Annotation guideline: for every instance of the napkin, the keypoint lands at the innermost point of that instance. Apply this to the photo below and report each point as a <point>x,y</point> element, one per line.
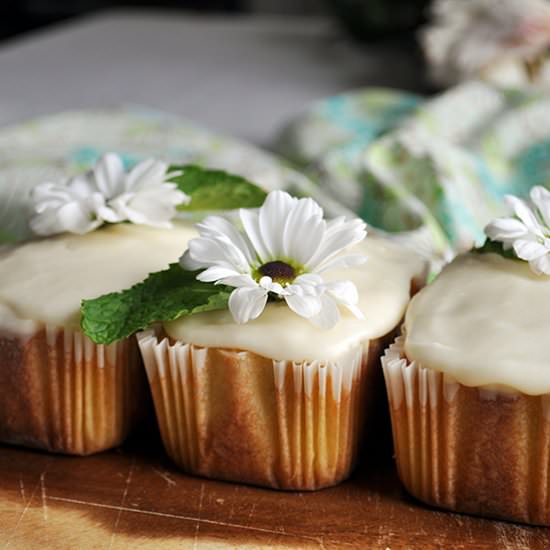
<point>433,170</point>
<point>57,146</point>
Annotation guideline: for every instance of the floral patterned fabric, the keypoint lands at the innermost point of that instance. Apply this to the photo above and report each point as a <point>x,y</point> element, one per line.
<point>429,173</point>
<point>57,146</point>
<point>440,165</point>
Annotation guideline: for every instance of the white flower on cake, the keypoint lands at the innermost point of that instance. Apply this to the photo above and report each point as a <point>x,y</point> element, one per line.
<point>281,251</point>
<point>528,232</point>
<point>68,207</point>
<point>107,193</point>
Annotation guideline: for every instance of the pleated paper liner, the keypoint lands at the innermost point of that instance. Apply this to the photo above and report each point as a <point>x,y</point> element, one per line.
<point>63,393</point>
<point>469,449</point>
<point>238,416</point>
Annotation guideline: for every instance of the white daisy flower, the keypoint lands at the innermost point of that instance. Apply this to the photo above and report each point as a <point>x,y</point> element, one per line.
<point>281,252</point>
<point>71,207</point>
<point>107,194</point>
<point>528,232</point>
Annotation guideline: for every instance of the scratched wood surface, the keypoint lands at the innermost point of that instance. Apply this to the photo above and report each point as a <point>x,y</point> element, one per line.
<point>134,498</point>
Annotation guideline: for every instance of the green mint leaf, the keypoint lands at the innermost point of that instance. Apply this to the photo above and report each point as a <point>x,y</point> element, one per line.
<point>216,189</point>
<point>495,247</point>
<point>163,296</point>
<point>5,237</point>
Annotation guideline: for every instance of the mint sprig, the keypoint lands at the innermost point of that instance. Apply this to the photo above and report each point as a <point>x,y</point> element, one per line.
<point>164,296</point>
<point>6,237</point>
<point>216,189</point>
<point>495,247</point>
<point>173,293</point>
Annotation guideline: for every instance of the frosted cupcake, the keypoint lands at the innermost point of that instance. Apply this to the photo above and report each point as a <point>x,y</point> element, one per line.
<point>60,391</point>
<point>272,385</point>
<point>469,382</point>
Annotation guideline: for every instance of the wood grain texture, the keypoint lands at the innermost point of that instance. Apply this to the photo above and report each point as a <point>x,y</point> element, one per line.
<point>134,497</point>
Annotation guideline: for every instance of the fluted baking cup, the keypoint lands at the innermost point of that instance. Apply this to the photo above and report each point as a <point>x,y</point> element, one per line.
<point>238,416</point>
<point>63,393</point>
<point>469,449</point>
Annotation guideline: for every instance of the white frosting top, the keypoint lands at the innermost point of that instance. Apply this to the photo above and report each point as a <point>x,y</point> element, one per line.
<point>383,282</point>
<point>45,280</point>
<point>484,321</point>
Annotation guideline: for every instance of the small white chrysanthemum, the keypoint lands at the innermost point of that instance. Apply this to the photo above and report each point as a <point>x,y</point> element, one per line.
<point>528,232</point>
<point>107,194</point>
<point>283,249</point>
<point>68,207</point>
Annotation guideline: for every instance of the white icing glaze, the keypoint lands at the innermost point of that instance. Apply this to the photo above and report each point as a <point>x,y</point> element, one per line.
<point>384,288</point>
<point>484,322</point>
<point>45,280</point>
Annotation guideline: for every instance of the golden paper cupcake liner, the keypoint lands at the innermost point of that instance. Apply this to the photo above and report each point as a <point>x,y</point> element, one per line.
<point>238,416</point>
<point>468,449</point>
<point>63,393</point>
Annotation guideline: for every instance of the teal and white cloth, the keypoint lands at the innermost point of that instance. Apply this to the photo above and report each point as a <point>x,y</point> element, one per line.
<point>436,167</point>
<point>429,173</point>
<point>55,147</point>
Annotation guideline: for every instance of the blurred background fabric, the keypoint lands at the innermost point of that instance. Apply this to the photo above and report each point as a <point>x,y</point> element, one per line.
<point>417,116</point>
<point>503,41</point>
<point>445,163</point>
<point>55,147</point>
<point>365,19</point>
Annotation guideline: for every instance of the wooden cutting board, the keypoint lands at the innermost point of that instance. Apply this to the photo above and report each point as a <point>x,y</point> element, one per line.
<point>134,497</point>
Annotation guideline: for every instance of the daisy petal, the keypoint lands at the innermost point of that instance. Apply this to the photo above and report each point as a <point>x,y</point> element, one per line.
<point>505,229</point>
<point>187,262</point>
<point>218,227</point>
<point>529,249</point>
<point>540,196</point>
<point>247,303</point>
<point>251,224</point>
<point>146,173</point>
<point>304,238</point>
<point>285,232</point>
<point>339,236</point>
<point>108,214</point>
<point>524,213</point>
<point>215,252</point>
<point>344,292</point>
<point>216,273</point>
<point>154,206</point>
<point>355,311</point>
<point>312,279</point>
<point>270,286</point>
<point>303,231</point>
<point>109,175</point>
<point>81,187</point>
<point>305,305</point>
<point>103,195</point>
<point>541,265</point>
<point>45,223</point>
<point>271,218</point>
<point>328,315</point>
<point>48,191</point>
<point>75,218</point>
<point>238,281</point>
<point>309,208</point>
